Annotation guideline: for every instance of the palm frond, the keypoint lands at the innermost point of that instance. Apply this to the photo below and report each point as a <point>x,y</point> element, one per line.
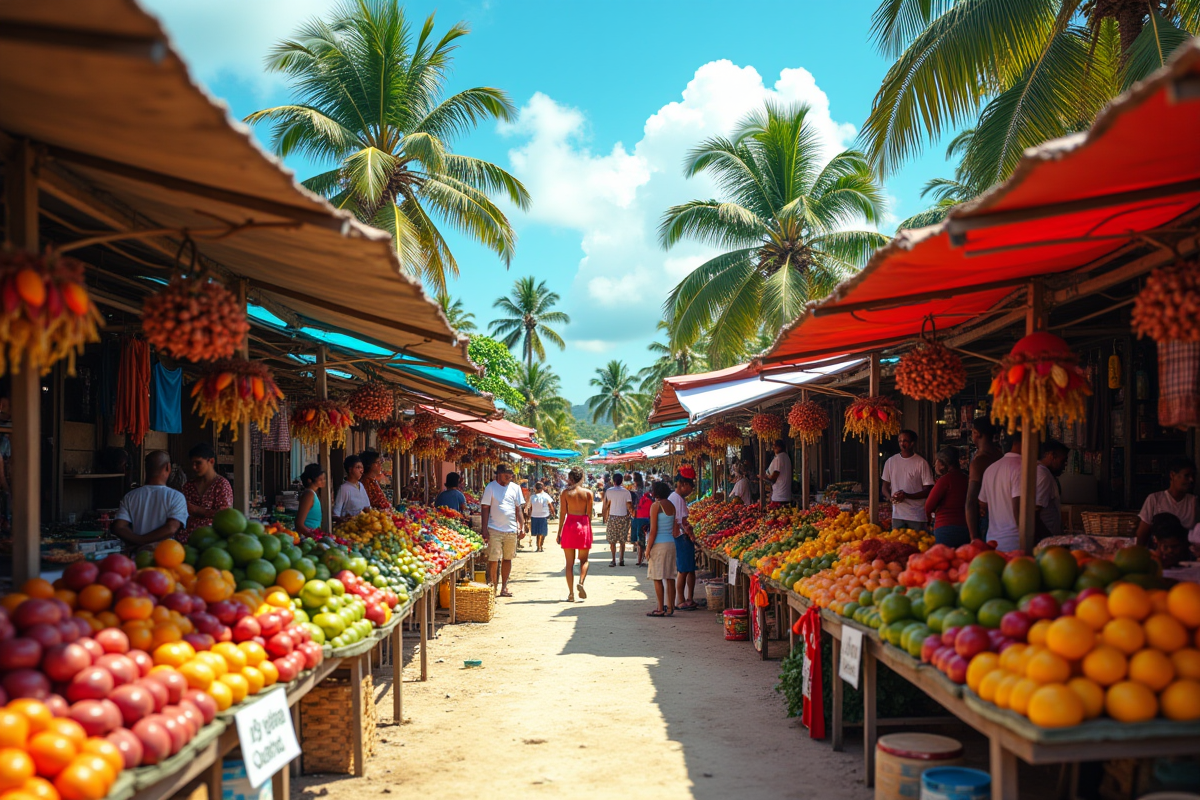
<point>1152,48</point>
<point>897,22</point>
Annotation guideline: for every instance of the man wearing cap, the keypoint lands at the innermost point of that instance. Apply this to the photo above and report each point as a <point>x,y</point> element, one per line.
<point>685,547</point>
<point>503,523</point>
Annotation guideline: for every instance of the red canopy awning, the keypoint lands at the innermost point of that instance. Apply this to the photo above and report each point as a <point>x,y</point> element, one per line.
<point>666,404</point>
<point>496,428</point>
<point>1070,202</point>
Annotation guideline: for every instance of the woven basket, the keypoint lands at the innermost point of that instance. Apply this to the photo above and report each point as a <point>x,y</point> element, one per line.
<point>715,594</point>
<point>1109,523</point>
<point>326,720</point>
<point>476,602</point>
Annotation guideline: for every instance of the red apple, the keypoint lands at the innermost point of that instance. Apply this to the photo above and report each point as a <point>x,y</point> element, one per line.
<point>58,706</point>
<point>122,565</point>
<point>195,718</point>
<point>271,623</point>
<point>123,668</point>
<point>1068,608</point>
<point>224,611</point>
<point>949,635</point>
<point>1016,625</point>
<point>180,716</point>
<point>155,582</point>
<point>177,732</point>
<point>130,746</point>
<point>113,640</point>
<point>20,653</point>
<point>67,631</point>
<point>929,647</point>
<point>80,575</point>
<point>131,589</point>
<point>972,640</point>
<point>156,742</point>
<point>7,629</point>
<point>64,662</point>
<point>280,645</point>
<point>995,636</point>
<point>199,641</point>
<point>112,580</point>
<point>47,635</point>
<point>204,702</point>
<point>82,625</point>
<point>95,717</point>
<point>142,660</point>
<point>246,629</point>
<point>286,615</point>
<point>178,601</point>
<point>36,611</point>
<point>158,692</point>
<point>376,615</point>
<point>173,681</point>
<point>1042,606</point>
<point>286,668</point>
<point>348,579</point>
<point>956,668</point>
<point>224,633</point>
<point>133,701</point>
<point>1088,592</point>
<point>90,683</point>
<point>3,697</point>
<point>205,623</point>
<point>64,610</point>
<point>26,683</point>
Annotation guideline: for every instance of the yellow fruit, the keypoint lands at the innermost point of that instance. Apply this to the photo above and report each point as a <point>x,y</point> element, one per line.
<point>1047,668</point>
<point>1129,701</point>
<point>1183,601</point>
<point>1055,706</point>
<point>980,666</point>
<point>1070,637</point>
<point>1130,601</point>
<point>1094,611</point>
<point>989,684</point>
<point>1164,632</point>
<point>1181,700</point>
<point>1037,633</point>
<point>1091,694</point>
<point>1187,663</point>
<point>1005,688</point>
<point>1125,635</point>
<point>1152,669</point>
<point>1010,659</point>
<point>1105,665</point>
<point>1018,698</point>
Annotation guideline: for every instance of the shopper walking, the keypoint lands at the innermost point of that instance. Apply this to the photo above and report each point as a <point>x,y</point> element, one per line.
<point>503,521</point>
<point>661,550</point>
<point>907,480</point>
<point>643,498</point>
<point>617,511</point>
<point>685,543</point>
<point>576,507</point>
<point>541,506</point>
<point>946,505</point>
<point>983,437</point>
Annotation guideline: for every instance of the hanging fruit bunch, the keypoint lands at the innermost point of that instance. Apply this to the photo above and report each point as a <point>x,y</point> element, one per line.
<point>373,401</point>
<point>235,391</point>
<point>321,421</point>
<point>695,445</point>
<point>1039,380</point>
<point>396,437</point>
<point>808,420</point>
<point>868,416</point>
<point>768,427</point>
<point>47,314</point>
<point>725,435</point>
<point>456,451</point>
<point>930,371</point>
<point>425,424</point>
<point>1168,307</point>
<point>195,319</point>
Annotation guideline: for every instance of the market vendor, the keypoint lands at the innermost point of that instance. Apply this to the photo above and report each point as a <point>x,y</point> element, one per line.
<point>741,488</point>
<point>779,474</point>
<point>206,493</point>
<point>1052,460</point>
<point>1170,540</point>
<point>1177,499</point>
<point>351,497</point>
<point>154,511</point>
<point>907,481</point>
<point>372,472</point>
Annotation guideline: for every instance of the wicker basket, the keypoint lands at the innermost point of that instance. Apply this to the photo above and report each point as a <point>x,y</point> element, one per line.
<point>326,719</point>
<point>476,602</point>
<point>715,594</point>
<point>1109,523</point>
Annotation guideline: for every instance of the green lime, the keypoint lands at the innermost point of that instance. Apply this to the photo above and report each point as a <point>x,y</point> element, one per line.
<point>262,571</point>
<point>270,546</point>
<point>255,528</point>
<point>244,548</point>
<point>144,558</point>
<point>215,557</point>
<point>229,521</point>
<point>203,538</point>
<point>305,567</point>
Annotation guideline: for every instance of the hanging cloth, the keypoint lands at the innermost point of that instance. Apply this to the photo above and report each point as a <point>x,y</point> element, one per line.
<point>279,438</point>
<point>132,412</point>
<point>814,698</point>
<point>166,408</point>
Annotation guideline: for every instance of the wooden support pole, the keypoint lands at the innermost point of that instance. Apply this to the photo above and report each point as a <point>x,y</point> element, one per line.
<point>839,694</point>
<point>397,477</point>
<point>398,674</point>
<point>869,729</point>
<point>804,480</point>
<point>1034,321</point>
<point>323,457</point>
<point>241,448</point>
<point>873,450</point>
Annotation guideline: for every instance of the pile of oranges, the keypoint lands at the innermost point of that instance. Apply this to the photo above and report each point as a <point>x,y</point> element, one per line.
<point>847,580</point>
<point>43,757</point>
<point>228,672</point>
<point>1132,654</point>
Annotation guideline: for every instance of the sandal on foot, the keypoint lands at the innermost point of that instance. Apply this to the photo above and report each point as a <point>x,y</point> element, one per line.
<point>570,598</point>
<point>621,564</point>
<point>582,592</point>
<point>506,593</point>
<point>656,613</point>
<point>612,564</point>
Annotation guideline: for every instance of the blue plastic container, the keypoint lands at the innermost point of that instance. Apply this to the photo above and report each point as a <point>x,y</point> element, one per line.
<point>955,783</point>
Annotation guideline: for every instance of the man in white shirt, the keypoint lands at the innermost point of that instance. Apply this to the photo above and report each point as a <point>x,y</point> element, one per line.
<point>741,489</point>
<point>1051,463</point>
<point>541,506</point>
<point>1001,493</point>
<point>1177,499</point>
<point>617,512</point>
<point>779,474</point>
<point>503,521</point>
<point>907,480</point>
<point>154,511</point>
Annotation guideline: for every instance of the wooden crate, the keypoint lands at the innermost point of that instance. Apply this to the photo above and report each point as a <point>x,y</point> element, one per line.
<point>326,717</point>
<point>475,602</point>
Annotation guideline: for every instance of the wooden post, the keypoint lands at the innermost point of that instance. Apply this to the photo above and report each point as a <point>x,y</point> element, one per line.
<point>868,694</point>
<point>398,674</point>
<point>423,610</point>
<point>762,469</point>
<point>873,455</point>
<point>323,457</point>
<point>804,498</point>
<point>356,722</point>
<point>1029,435</point>
<point>21,227</point>
<point>241,448</point>
<point>397,478</point>
<point>839,694</point>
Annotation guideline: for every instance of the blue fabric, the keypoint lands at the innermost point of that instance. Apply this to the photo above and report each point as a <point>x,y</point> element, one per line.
<point>952,535</point>
<point>166,399</point>
<point>666,528</point>
<point>647,439</point>
<point>548,455</point>
<point>314,519</point>
<point>638,530</point>
<point>452,498</point>
<point>539,526</point>
<point>685,554</point>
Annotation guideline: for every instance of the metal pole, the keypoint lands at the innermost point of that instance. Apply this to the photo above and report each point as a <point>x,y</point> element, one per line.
<point>323,457</point>
<point>873,447</point>
<point>1034,320</point>
<point>241,448</point>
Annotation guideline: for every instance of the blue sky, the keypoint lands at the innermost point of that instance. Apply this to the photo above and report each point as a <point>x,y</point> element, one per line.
<point>611,96</point>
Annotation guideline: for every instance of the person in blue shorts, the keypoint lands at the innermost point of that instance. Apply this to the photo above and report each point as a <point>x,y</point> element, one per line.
<point>685,542</point>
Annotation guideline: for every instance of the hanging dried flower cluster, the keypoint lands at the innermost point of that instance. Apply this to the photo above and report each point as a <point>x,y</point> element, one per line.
<point>373,401</point>
<point>694,445</point>
<point>725,435</point>
<point>930,372</point>
<point>434,446</point>
<point>868,416</point>
<point>767,427</point>
<point>396,437</point>
<point>457,451</point>
<point>1168,307</point>
<point>233,391</point>
<point>195,319</point>
<point>425,424</point>
<point>808,420</point>
<point>321,421</point>
<point>1039,380</point>
<point>47,314</point>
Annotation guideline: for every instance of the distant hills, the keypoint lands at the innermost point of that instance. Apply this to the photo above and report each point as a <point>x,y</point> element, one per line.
<point>586,429</point>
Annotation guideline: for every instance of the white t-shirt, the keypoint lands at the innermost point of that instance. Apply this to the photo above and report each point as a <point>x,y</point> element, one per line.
<point>741,488</point>
<point>539,505</point>
<point>1185,509</point>
<point>351,500</point>
<point>147,508</point>
<point>503,501</point>
<point>781,489</point>
<point>1048,500</point>
<point>618,498</point>
<point>681,513</point>
<point>1001,483</point>
<point>910,475</point>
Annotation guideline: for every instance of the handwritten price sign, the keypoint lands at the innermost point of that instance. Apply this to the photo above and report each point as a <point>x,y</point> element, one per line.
<point>267,737</point>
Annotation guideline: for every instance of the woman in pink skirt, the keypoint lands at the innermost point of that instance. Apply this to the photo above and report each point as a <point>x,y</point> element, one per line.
<point>575,509</point>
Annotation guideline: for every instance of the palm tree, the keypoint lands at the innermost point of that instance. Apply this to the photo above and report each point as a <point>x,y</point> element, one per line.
<point>616,399</point>
<point>559,431</point>
<point>529,319</point>
<point>1018,71</point>
<point>672,359</point>
<point>368,95</point>
<point>540,387</point>
<point>782,225</point>
<point>946,192</point>
<point>459,318</point>
<point>638,421</point>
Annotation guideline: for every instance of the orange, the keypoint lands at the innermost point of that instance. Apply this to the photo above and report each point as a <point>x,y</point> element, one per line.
<point>990,683</point>
<point>51,752</point>
<point>1018,698</point>
<point>1164,632</point>
<point>14,729</point>
<point>1010,659</point>
<point>1152,669</point>
<point>1094,611</point>
<point>1090,694</point>
<point>1125,635</point>
<point>235,657</point>
<point>1047,667</point>
<point>1158,601</point>
<point>212,589</point>
<point>1055,706</point>
<point>11,601</point>
<point>1130,601</point>
<point>1027,655</point>
<point>99,765</point>
<point>38,714</point>
<point>96,597</point>
<point>140,636</point>
<point>67,596</point>
<point>1070,637</point>
<point>1129,701</point>
<point>1181,700</point>
<point>255,653</point>
<point>270,673</point>
<point>165,633</point>
<point>173,654</point>
<point>68,728</point>
<point>169,553</point>
<point>40,788</point>
<point>292,581</point>
<point>1004,689</point>
<point>279,600</point>
<point>981,665</point>
<point>1183,601</point>
<point>237,684</point>
<point>198,674</point>
<point>1105,665</point>
<point>109,619</point>
<point>39,588</point>
<point>80,782</point>
<point>221,693</point>
<point>214,662</point>
<point>16,767</point>
<point>105,749</point>
<point>254,679</point>
<point>1037,633</point>
<point>160,614</point>
<point>1187,663</point>
<point>129,608</point>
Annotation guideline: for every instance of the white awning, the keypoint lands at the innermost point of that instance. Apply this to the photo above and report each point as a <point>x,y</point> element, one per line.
<point>705,402</point>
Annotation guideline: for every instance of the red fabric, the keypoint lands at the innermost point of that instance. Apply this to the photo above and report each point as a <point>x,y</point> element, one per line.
<point>948,498</point>
<point>375,494</point>
<point>666,404</point>
<point>643,509</point>
<point>219,495</point>
<point>496,428</point>
<point>814,702</point>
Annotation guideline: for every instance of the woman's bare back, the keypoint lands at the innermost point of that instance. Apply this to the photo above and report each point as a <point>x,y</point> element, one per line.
<point>578,501</point>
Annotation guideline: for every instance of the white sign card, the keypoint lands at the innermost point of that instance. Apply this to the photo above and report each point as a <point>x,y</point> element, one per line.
<point>732,578</point>
<point>267,737</point>
<point>852,644</point>
<point>806,678</point>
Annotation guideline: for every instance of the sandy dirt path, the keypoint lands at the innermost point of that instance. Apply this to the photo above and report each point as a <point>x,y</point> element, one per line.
<point>593,699</point>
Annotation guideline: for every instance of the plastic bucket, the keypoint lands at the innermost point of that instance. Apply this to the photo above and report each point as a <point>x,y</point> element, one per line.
<point>901,758</point>
<point>955,783</point>
<point>737,625</point>
<point>481,577</point>
<point>715,592</point>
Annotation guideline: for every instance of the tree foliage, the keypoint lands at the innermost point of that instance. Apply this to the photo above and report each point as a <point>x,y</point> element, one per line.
<point>499,370</point>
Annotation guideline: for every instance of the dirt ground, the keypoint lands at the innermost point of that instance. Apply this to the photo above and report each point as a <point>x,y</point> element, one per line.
<point>593,699</point>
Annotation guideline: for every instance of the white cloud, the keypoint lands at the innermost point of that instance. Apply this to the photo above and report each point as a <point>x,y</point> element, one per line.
<point>614,196</point>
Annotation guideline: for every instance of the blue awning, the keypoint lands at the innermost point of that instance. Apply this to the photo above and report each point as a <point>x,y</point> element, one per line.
<point>547,455</point>
<point>647,439</point>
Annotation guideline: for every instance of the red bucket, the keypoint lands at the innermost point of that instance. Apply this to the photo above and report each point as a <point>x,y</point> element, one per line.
<point>737,625</point>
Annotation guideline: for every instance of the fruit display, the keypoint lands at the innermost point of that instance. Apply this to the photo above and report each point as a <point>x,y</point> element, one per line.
<point>1038,381</point>
<point>725,435</point>
<point>396,437</point>
<point>373,401</point>
<point>930,371</point>
<point>940,562</point>
<point>836,574</point>
<point>46,313</point>
<point>872,416</point>
<point>714,521</point>
<point>321,421</point>
<point>767,427</point>
<point>195,319</point>
<point>808,420</point>
<point>432,446</point>
<point>696,446</point>
<point>235,391</point>
<point>1168,306</point>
